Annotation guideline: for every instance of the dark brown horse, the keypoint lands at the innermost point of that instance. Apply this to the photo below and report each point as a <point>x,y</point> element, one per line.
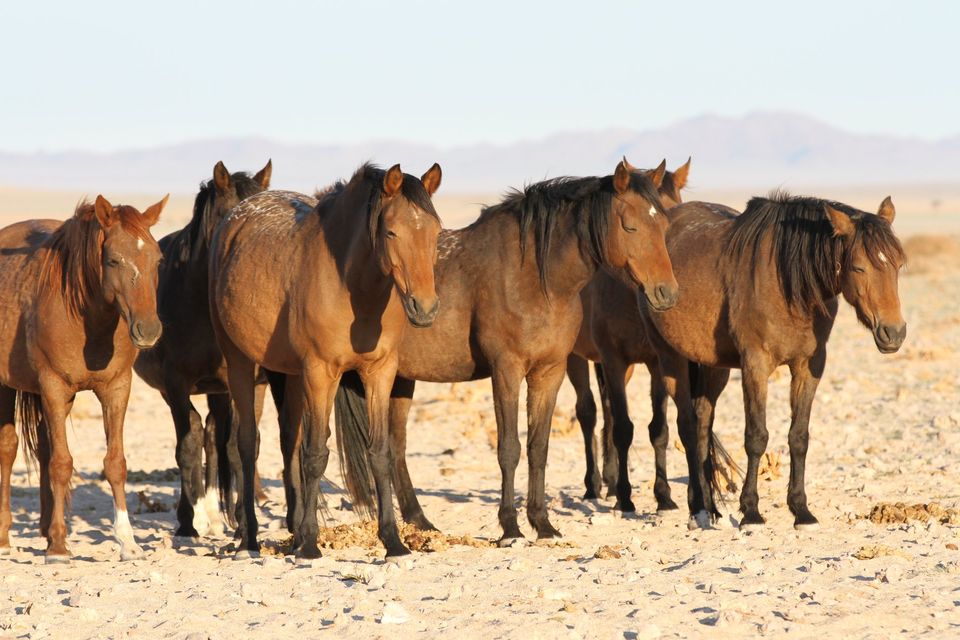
<point>761,290</point>
<point>315,287</point>
<point>511,286</point>
<point>79,299</point>
<point>613,336</point>
<point>187,359</point>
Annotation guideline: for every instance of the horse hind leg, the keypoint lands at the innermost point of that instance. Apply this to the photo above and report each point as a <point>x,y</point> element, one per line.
<point>8,455</point>
<point>401,397</point>
<point>609,450</point>
<point>578,371</point>
<point>542,388</point>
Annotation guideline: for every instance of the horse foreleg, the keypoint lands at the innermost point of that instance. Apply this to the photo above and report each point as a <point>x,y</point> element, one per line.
<point>542,386</point>
<point>756,372</point>
<point>616,371</point>
<point>191,516</point>
<point>803,388</point>
<point>659,433</point>
<point>506,392</point>
<point>240,375</point>
<point>319,388</point>
<point>113,400</point>
<point>578,371</point>
<point>710,385</point>
<point>291,417</point>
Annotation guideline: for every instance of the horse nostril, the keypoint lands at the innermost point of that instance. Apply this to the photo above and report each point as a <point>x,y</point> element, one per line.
<point>661,293</point>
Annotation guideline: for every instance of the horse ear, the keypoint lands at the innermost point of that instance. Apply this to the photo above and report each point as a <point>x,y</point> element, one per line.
<point>841,222</point>
<point>431,179</point>
<point>263,176</point>
<point>221,177</point>
<point>104,212</point>
<point>886,210</point>
<point>627,164</point>
<point>657,174</point>
<point>681,174</point>
<point>152,214</point>
<point>621,176</point>
<point>392,181</point>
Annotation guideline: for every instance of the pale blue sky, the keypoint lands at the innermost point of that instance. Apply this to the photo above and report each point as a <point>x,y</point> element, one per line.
<point>109,75</point>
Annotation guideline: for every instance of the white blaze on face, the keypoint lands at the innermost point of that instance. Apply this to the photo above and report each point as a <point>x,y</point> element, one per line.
<point>653,211</point>
<point>882,257</point>
<point>139,243</point>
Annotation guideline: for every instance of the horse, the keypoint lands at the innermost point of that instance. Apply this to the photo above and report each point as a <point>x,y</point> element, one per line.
<point>186,359</point>
<point>510,316</point>
<point>79,302</point>
<point>310,288</point>
<point>761,290</point>
<point>612,335</point>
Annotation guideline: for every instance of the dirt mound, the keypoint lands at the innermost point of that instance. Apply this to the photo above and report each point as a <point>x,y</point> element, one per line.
<point>898,513</point>
<point>364,535</point>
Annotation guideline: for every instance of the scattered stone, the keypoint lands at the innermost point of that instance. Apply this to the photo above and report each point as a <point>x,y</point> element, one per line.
<point>516,565</point>
<point>607,552</point>
<point>393,613</point>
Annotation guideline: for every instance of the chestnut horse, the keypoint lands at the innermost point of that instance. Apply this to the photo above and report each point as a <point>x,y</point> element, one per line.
<point>761,290</point>
<point>311,288</point>
<point>187,360</point>
<point>509,317</point>
<point>79,301</point>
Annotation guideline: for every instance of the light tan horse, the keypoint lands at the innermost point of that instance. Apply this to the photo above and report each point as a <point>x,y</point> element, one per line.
<point>312,288</point>
<point>80,298</point>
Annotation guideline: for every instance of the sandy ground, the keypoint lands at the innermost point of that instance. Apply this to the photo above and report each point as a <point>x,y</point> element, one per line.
<point>884,429</point>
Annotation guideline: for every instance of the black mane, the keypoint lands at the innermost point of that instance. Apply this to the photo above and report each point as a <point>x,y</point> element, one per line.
<point>806,252</point>
<point>185,245</point>
<point>371,176</point>
<point>541,205</point>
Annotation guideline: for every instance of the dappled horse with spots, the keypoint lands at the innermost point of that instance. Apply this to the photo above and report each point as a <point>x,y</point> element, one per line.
<point>310,288</point>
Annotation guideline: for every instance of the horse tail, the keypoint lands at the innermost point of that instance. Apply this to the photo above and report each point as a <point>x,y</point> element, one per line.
<point>353,429</point>
<point>29,415</point>
<point>222,429</point>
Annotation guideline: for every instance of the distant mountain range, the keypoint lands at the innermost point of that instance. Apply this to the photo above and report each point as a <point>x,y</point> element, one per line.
<point>760,150</point>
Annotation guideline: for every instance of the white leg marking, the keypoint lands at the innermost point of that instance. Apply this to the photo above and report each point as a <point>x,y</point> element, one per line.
<point>123,532</point>
<point>211,501</point>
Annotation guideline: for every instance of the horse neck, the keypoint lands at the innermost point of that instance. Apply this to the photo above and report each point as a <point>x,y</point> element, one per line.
<point>569,266</point>
<point>346,231</point>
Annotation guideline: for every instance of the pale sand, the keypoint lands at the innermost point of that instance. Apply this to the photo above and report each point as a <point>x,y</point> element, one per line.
<point>884,429</point>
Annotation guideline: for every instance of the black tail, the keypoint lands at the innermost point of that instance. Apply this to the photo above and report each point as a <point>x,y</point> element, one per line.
<point>29,415</point>
<point>606,439</point>
<point>350,408</point>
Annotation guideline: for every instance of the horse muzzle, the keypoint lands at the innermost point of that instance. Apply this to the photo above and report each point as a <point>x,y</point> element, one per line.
<point>419,314</point>
<point>888,337</point>
<point>145,333</point>
<point>662,296</point>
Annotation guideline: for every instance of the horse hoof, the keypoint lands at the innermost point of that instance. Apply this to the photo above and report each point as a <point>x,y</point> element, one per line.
<point>397,552</point>
<point>130,552</point>
<point>699,520</point>
<point>56,558</point>
<point>626,506</point>
<point>516,542</point>
<point>245,554</point>
<point>665,506</point>
<point>807,526</point>
<point>548,533</point>
<point>304,553</point>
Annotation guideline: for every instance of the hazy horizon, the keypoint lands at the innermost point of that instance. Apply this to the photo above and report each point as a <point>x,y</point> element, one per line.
<point>112,75</point>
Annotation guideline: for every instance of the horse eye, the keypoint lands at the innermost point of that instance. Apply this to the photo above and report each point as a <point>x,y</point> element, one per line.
<point>391,235</point>
<point>857,269</point>
<point>112,262</point>
<point>628,229</point>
